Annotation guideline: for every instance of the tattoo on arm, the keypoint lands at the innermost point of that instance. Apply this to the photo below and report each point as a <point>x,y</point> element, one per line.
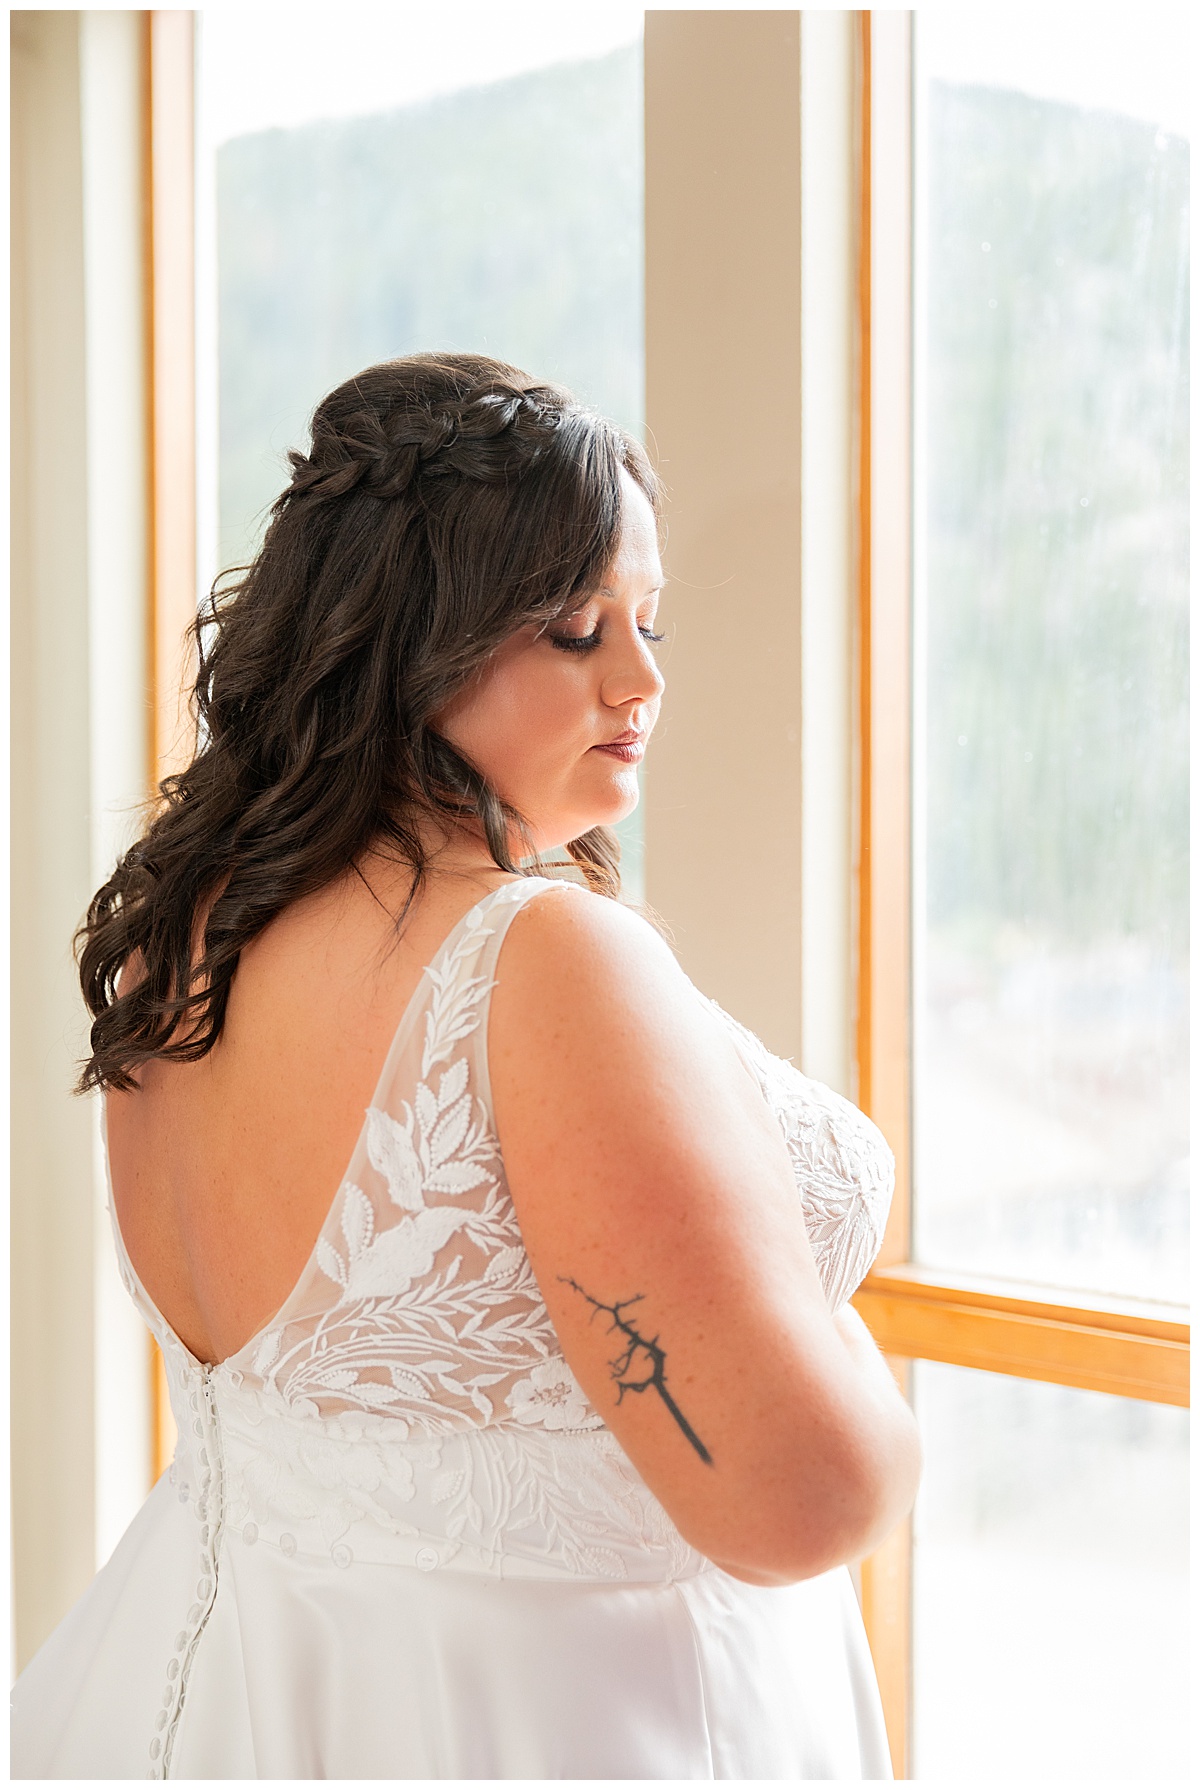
<point>650,1356</point>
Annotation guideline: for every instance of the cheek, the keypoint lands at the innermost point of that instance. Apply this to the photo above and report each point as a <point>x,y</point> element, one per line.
<point>520,716</point>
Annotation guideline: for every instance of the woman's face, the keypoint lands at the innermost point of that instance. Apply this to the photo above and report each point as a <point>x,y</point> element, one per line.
<point>558,719</point>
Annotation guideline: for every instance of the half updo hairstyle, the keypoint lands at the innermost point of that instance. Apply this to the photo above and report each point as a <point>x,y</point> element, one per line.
<point>446,501</point>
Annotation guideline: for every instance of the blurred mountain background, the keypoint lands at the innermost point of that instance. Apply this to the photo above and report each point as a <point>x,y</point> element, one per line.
<point>505,219</point>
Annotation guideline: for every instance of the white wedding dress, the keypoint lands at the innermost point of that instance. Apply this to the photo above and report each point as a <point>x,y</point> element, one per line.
<point>397,1541</point>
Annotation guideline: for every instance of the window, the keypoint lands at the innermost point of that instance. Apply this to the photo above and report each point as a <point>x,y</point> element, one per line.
<point>1049,1582</point>
<point>1023,1026</point>
<point>393,182</point>
<point>1051,726</point>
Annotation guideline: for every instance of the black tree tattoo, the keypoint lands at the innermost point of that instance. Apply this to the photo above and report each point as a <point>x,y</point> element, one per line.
<point>621,1364</point>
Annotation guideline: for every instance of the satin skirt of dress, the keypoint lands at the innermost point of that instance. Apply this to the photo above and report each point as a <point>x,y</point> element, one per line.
<point>307,1671</point>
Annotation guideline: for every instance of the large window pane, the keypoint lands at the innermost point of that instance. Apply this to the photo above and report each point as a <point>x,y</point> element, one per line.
<point>1050,1589</point>
<point>1052,353</point>
<point>375,192</point>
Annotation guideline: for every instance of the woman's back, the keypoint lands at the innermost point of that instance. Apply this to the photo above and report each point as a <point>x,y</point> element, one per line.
<point>224,1170</point>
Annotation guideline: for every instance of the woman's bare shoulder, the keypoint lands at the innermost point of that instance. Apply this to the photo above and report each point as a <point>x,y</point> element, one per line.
<point>573,949</point>
<point>593,1013</point>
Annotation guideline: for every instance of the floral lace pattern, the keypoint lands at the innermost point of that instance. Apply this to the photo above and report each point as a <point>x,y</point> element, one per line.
<point>419,1302</point>
<point>844,1170</point>
<point>503,1499</point>
<point>409,1401</point>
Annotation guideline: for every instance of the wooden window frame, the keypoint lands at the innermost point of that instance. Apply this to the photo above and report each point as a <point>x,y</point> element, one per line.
<point>1132,1348</point>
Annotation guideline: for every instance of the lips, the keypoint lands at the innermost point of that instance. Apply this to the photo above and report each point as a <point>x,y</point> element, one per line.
<point>629,747</point>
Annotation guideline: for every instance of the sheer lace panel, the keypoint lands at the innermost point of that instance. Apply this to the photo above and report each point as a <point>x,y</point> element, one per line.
<point>419,1302</point>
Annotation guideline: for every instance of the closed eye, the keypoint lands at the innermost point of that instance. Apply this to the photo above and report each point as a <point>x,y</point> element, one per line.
<point>583,643</point>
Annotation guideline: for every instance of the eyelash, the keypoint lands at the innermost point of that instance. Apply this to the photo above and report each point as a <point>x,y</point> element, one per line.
<point>583,643</point>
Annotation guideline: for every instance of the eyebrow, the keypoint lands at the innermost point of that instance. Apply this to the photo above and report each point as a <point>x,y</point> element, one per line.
<point>654,591</point>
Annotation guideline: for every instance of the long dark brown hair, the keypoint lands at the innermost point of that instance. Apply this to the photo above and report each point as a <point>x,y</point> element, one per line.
<point>446,501</point>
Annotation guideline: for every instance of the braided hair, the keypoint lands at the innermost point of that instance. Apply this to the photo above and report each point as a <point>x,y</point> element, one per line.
<point>446,500</point>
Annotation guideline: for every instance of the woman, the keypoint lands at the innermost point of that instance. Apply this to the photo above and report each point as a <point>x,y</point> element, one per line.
<point>532,1443</point>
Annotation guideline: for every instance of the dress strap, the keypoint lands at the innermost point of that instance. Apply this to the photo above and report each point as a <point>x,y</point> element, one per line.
<point>497,911</point>
<point>461,979</point>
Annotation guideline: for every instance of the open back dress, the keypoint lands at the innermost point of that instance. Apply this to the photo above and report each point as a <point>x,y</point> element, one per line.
<point>398,1541</point>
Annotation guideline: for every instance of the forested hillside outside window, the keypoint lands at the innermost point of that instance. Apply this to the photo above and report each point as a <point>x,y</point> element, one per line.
<point>1055,948</point>
<point>432,207</point>
<point>1050,1067</point>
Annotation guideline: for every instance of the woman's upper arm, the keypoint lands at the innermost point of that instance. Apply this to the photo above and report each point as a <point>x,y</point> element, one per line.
<point>658,1208</point>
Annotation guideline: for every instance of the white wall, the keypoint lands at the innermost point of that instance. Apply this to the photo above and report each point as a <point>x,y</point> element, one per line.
<point>52,1301</point>
<point>80,730</point>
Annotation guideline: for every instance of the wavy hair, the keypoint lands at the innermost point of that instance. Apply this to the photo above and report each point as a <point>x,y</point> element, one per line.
<point>446,501</point>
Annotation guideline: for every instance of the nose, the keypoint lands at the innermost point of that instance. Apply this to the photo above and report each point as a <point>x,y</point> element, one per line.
<point>633,676</point>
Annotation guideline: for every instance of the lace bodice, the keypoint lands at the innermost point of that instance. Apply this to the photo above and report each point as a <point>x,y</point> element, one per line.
<point>409,1399</point>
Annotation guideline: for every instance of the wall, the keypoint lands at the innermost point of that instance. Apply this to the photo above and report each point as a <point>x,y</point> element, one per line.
<point>749,399</point>
<point>723,403</point>
<point>80,735</point>
<point>52,1190</point>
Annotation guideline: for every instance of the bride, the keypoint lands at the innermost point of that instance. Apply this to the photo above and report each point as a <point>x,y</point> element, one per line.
<point>525,1429</point>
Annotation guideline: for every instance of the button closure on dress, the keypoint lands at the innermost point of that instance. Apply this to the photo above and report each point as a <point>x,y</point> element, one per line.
<point>427,1559</point>
<point>209,1506</point>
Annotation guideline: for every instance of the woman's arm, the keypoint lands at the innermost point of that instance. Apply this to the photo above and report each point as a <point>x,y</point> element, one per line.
<point>895,1449</point>
<point>657,1204</point>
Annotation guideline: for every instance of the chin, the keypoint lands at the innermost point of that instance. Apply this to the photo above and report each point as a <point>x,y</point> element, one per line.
<point>557,838</point>
<point>623,802</point>
<point>603,808</point>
